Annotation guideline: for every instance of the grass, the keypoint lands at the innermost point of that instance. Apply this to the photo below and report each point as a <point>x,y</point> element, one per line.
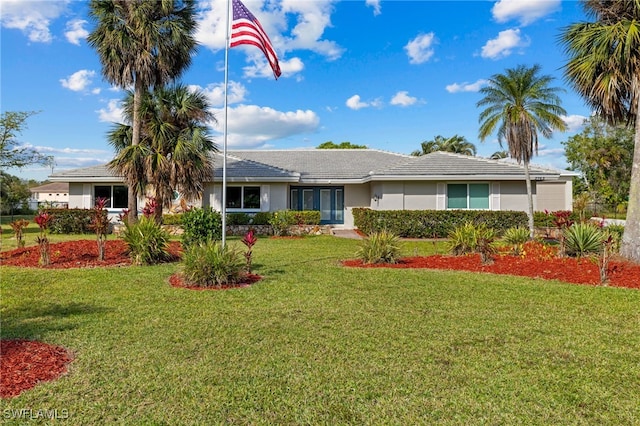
<point>316,343</point>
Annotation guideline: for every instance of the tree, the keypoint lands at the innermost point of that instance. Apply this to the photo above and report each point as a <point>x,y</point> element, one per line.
<point>456,144</point>
<point>14,193</point>
<point>143,44</point>
<point>175,142</point>
<point>498,155</point>
<point>342,145</point>
<point>603,66</point>
<point>519,104</point>
<point>603,155</point>
<point>12,123</point>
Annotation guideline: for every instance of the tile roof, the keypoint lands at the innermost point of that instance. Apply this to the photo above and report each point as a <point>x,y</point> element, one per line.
<point>342,166</point>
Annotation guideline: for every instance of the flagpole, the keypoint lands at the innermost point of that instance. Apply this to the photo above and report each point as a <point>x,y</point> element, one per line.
<point>224,145</point>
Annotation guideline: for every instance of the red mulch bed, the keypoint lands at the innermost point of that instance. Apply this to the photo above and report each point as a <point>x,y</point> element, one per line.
<point>570,270</point>
<point>25,363</point>
<point>78,254</point>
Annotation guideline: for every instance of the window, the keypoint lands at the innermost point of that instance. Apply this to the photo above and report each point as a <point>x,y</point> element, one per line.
<point>243,197</point>
<point>468,196</point>
<point>116,194</point>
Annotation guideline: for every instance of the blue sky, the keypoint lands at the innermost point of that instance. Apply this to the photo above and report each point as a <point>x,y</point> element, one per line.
<point>385,74</point>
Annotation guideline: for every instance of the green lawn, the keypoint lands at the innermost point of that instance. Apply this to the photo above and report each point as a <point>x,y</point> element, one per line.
<point>316,343</point>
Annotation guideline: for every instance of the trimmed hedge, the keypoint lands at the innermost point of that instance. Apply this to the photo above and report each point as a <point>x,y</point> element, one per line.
<point>433,223</point>
<point>71,221</point>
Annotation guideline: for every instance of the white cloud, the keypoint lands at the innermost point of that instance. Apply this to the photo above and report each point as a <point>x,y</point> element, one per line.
<point>33,18</point>
<point>236,93</point>
<point>356,103</point>
<point>402,98</point>
<point>113,113</point>
<point>251,126</point>
<point>465,87</point>
<point>503,45</point>
<point>75,31</point>
<point>574,122</point>
<point>78,81</point>
<point>375,4</point>
<point>525,11</point>
<point>420,49</point>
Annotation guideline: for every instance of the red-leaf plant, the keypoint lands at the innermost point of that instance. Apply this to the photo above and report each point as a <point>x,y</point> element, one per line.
<point>100,224</point>
<point>249,240</point>
<point>43,219</point>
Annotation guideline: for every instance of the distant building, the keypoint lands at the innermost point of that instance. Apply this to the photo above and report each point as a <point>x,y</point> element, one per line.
<point>51,194</point>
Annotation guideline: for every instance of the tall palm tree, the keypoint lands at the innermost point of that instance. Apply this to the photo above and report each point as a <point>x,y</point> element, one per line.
<point>519,104</point>
<point>174,139</point>
<point>456,144</point>
<point>604,67</point>
<point>142,44</point>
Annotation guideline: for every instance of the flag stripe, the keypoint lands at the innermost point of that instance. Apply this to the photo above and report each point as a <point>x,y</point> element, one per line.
<point>246,29</point>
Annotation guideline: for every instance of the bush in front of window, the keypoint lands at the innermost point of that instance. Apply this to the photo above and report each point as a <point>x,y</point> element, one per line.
<point>238,219</point>
<point>433,223</point>
<point>70,221</point>
<point>200,225</point>
<point>261,218</point>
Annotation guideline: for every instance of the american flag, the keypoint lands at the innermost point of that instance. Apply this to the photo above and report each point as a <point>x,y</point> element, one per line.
<point>246,29</point>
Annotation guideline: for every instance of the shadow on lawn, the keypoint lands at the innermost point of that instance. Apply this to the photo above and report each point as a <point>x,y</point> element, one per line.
<point>30,322</point>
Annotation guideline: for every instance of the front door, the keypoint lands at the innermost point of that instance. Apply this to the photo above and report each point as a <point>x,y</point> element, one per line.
<point>328,200</point>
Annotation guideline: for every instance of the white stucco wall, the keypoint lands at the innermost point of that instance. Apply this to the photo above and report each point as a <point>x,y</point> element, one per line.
<point>554,196</point>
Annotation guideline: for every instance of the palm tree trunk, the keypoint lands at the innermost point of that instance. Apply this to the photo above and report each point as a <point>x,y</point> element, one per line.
<point>132,194</point>
<point>630,247</point>
<point>527,178</point>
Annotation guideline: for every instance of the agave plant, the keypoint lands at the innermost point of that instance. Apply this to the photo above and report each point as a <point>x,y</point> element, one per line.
<point>583,238</point>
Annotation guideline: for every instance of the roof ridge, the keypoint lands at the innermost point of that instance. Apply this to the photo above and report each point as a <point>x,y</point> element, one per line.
<point>268,166</point>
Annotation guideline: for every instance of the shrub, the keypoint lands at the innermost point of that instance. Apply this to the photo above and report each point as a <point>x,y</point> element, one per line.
<point>172,219</point>
<point>471,238</point>
<point>238,219</point>
<point>212,265</point>
<point>147,241</point>
<point>43,219</point>
<point>379,247</point>
<point>432,223</point>
<point>280,222</point>
<point>261,218</point>
<point>70,221</point>
<point>516,237</point>
<point>583,238</point>
<point>200,225</point>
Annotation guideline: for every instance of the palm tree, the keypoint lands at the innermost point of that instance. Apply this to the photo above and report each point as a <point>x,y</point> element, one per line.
<point>175,142</point>
<point>604,67</point>
<point>519,104</point>
<point>499,155</point>
<point>456,144</point>
<point>142,44</point>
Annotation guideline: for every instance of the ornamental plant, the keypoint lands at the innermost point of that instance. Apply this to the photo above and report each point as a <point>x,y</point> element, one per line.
<point>211,264</point>
<point>100,224</point>
<point>470,238</point>
<point>516,237</point>
<point>380,247</point>
<point>249,241</point>
<point>583,238</point>
<point>43,219</point>
<point>18,227</point>
<point>148,243</point>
